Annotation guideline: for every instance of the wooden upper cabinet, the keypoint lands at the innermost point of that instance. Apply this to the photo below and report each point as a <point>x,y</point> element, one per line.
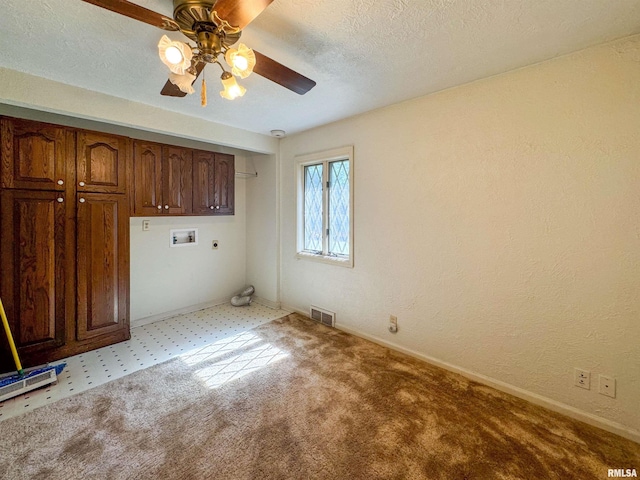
<point>203,182</point>
<point>162,179</point>
<point>224,182</point>
<point>101,162</point>
<point>102,259</point>
<point>147,178</point>
<point>176,180</point>
<point>34,154</point>
<point>33,264</point>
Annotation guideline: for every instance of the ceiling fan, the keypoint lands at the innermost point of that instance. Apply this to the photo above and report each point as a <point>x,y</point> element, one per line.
<point>214,26</point>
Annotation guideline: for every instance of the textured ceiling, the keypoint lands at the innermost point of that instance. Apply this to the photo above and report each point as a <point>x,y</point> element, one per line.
<point>364,54</point>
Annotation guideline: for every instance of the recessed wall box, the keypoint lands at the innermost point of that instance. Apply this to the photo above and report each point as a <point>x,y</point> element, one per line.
<point>183,237</point>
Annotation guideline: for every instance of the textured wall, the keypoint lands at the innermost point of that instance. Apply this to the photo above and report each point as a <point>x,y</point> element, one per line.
<point>500,221</point>
<point>262,232</point>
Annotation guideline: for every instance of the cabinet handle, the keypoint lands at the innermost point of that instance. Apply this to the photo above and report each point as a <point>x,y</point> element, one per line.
<point>60,182</point>
<point>81,200</point>
<point>159,207</point>
<point>166,207</point>
<point>211,207</point>
<point>217,207</point>
<point>60,199</point>
<point>81,184</point>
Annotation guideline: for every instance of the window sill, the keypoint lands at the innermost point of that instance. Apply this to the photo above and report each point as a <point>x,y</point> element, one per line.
<point>318,257</point>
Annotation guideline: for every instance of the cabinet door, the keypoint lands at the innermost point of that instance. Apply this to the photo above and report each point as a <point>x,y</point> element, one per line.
<point>102,264</point>
<point>224,184</point>
<point>176,180</point>
<point>203,182</point>
<point>147,178</point>
<point>33,266</point>
<point>101,162</point>
<point>33,155</point>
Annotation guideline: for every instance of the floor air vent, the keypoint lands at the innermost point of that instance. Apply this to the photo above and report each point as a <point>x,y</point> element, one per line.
<point>323,316</point>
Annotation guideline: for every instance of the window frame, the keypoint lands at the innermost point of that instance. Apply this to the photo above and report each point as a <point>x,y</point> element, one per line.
<point>325,158</point>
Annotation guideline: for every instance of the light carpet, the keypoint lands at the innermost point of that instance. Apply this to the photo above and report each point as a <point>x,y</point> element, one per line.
<point>296,400</point>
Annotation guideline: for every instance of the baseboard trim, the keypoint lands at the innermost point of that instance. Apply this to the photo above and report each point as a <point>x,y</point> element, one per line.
<point>163,316</point>
<point>559,407</point>
<point>267,303</point>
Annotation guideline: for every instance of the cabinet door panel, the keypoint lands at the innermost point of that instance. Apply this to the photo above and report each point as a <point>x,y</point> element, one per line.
<point>203,182</point>
<point>147,183</point>
<point>33,155</point>
<point>177,180</point>
<point>102,264</point>
<point>101,161</point>
<point>224,184</point>
<point>32,259</point>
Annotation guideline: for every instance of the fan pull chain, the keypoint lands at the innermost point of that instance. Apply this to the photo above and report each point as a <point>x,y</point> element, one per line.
<point>203,93</point>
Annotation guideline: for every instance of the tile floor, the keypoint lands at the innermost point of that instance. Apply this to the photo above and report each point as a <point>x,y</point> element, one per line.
<point>149,345</point>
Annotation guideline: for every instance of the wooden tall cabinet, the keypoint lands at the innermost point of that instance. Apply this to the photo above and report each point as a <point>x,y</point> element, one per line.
<point>35,267</point>
<point>64,258</point>
<point>102,262</point>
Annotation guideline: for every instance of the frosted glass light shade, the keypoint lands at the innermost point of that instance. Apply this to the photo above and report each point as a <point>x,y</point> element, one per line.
<point>183,82</point>
<point>231,88</point>
<point>175,55</point>
<point>241,60</point>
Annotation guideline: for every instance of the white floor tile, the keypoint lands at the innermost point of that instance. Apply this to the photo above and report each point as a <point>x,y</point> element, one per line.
<point>193,333</point>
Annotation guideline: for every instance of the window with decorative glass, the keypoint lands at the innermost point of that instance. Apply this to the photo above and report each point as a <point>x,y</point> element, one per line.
<point>325,206</point>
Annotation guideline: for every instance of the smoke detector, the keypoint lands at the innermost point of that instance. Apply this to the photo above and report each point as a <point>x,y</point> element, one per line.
<point>278,133</point>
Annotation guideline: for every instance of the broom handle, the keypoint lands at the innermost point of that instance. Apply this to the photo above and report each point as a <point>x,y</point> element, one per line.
<point>12,345</point>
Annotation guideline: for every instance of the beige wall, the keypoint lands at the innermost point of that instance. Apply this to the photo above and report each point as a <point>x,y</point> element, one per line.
<point>500,221</point>
<point>262,231</point>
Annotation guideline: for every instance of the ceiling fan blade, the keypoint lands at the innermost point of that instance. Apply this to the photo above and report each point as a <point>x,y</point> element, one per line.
<point>278,73</point>
<point>136,12</point>
<point>240,13</point>
<point>172,90</point>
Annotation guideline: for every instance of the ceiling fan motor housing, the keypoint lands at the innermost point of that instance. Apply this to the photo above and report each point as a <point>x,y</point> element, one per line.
<point>194,17</point>
<point>209,44</point>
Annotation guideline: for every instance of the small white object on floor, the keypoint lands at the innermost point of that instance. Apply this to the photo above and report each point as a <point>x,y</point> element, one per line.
<point>244,297</point>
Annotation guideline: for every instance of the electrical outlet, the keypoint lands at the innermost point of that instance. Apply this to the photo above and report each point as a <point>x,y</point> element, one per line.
<point>393,324</point>
<point>582,378</point>
<point>607,386</point>
<point>214,244</point>
<point>145,225</point>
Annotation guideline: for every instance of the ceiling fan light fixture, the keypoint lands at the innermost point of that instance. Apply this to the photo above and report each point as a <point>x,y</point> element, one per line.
<point>175,55</point>
<point>241,60</point>
<point>184,82</point>
<point>231,88</point>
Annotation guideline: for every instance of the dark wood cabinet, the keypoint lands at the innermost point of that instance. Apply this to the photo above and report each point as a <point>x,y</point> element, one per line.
<point>101,162</point>
<point>224,183</point>
<point>176,180</point>
<point>203,182</point>
<point>64,228</point>
<point>102,264</point>
<point>64,252</point>
<point>147,178</point>
<point>33,261</point>
<point>213,183</point>
<point>34,155</point>
<point>162,179</point>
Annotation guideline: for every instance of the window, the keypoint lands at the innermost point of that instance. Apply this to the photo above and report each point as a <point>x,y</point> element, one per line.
<point>325,206</point>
